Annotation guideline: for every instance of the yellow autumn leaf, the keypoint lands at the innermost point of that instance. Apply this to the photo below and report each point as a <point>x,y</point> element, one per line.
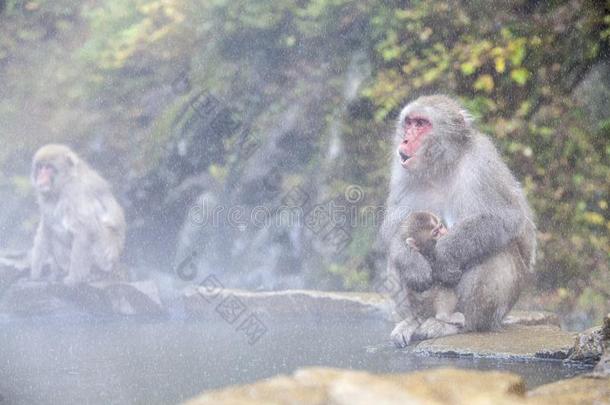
<point>485,83</point>
<point>467,68</point>
<point>594,218</point>
<point>520,76</point>
<point>500,64</point>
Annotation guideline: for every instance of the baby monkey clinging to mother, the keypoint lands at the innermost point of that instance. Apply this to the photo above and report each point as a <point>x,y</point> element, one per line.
<point>420,231</point>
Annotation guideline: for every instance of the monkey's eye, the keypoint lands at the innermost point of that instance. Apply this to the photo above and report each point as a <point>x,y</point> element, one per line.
<point>417,122</point>
<point>48,167</point>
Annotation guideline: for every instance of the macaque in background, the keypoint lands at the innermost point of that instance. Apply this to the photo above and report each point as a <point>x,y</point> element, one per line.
<point>444,165</point>
<point>420,231</point>
<point>82,227</point>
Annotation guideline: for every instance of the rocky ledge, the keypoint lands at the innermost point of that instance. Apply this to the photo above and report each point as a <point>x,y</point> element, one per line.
<point>320,386</point>
<point>525,334</point>
<point>513,341</point>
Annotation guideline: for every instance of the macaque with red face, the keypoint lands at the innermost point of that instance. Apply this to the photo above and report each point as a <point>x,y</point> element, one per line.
<point>82,226</point>
<point>444,165</point>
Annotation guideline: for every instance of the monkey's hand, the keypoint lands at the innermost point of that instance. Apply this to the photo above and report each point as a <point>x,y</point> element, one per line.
<point>478,237</point>
<point>403,332</point>
<point>433,328</point>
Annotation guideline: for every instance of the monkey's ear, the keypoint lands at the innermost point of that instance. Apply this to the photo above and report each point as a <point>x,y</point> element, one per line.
<point>411,243</point>
<point>71,160</point>
<point>467,117</point>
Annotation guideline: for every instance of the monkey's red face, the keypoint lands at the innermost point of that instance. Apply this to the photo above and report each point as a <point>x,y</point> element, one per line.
<point>438,231</point>
<point>416,128</point>
<point>44,177</point>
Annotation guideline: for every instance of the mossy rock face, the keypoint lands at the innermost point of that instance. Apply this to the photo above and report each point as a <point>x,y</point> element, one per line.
<point>321,386</point>
<point>592,345</point>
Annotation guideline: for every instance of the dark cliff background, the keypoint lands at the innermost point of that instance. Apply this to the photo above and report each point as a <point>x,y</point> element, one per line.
<point>252,139</point>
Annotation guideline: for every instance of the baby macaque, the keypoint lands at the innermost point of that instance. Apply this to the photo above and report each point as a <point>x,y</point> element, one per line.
<point>420,231</point>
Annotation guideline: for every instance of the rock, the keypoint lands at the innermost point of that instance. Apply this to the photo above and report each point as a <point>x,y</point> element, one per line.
<point>15,260</point>
<point>324,386</point>
<point>83,297</point>
<point>531,318</point>
<point>28,298</point>
<point>577,391</point>
<point>602,368</point>
<point>13,266</point>
<point>197,302</point>
<point>343,387</point>
<point>515,341</point>
<point>590,345</point>
<point>136,298</point>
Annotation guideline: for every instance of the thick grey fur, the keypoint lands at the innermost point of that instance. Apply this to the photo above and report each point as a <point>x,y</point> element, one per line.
<point>489,252</point>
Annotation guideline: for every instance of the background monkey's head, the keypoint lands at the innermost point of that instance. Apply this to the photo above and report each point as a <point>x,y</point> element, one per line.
<point>53,166</point>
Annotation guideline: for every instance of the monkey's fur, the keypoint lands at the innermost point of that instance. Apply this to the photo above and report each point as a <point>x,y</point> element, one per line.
<point>82,226</point>
<point>420,231</point>
<point>490,250</point>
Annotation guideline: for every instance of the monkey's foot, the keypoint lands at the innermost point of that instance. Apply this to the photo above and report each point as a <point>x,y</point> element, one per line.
<point>403,332</point>
<point>433,328</point>
<point>456,318</point>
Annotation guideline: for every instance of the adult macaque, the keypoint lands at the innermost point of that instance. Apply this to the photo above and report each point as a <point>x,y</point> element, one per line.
<point>420,231</point>
<point>445,166</point>
<point>82,227</point>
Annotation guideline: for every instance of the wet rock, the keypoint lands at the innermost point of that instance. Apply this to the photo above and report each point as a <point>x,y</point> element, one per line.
<point>602,369</point>
<point>590,345</point>
<point>13,266</point>
<point>137,298</point>
<point>84,297</point>
<point>197,302</point>
<point>603,366</point>
<point>531,318</point>
<point>514,341</point>
<point>29,298</point>
<point>332,386</point>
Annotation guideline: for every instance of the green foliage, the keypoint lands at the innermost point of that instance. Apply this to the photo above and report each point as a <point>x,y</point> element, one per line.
<point>514,64</point>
